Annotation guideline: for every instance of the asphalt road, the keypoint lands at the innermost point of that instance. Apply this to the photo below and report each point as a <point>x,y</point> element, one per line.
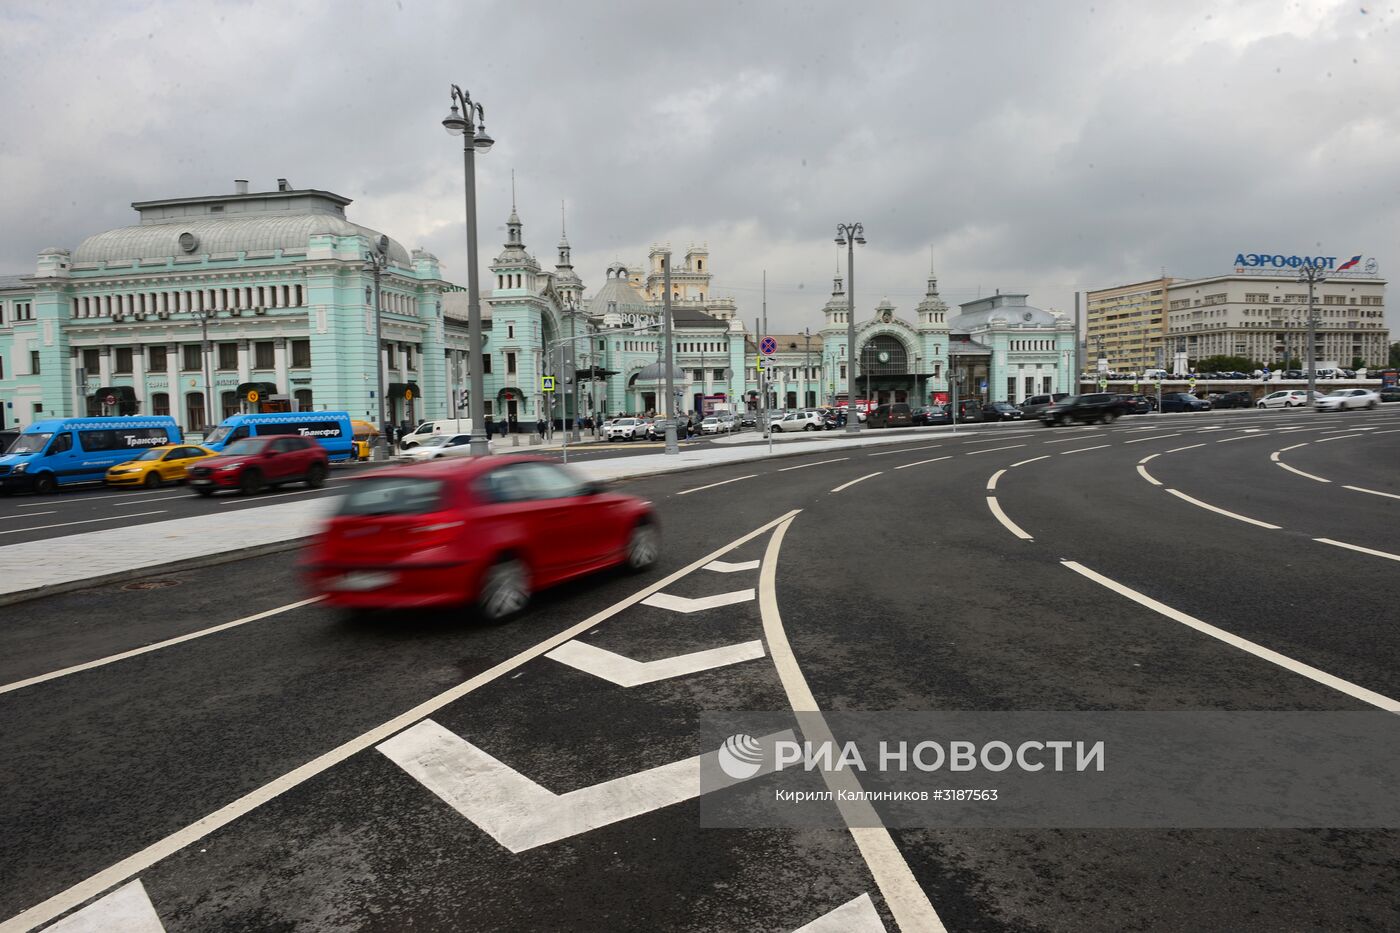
<point>238,775</point>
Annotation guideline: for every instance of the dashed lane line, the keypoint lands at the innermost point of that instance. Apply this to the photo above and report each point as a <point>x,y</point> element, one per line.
<point>803,466</point>
<point>1339,437</point>
<point>276,495</point>
<point>138,862</point>
<point>905,466</point>
<point>1031,460</point>
<point>1310,476</point>
<point>1373,492</point>
<point>904,450</point>
<point>1080,450</point>
<point>992,450</point>
<point>86,521</point>
<point>993,440</point>
<point>1187,447</point>
<point>10,518</point>
<point>147,649</point>
<point>1158,437</point>
<point>1219,511</point>
<point>1358,548</point>
<point>1259,651</point>
<point>63,501</point>
<point>905,899</point>
<point>726,482</point>
<point>1142,470</point>
<point>122,505</point>
<point>1067,440</point>
<point>857,480</point>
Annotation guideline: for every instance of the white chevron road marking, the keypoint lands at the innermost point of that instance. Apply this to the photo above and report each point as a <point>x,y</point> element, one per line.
<point>724,566</point>
<point>522,815</point>
<point>685,604</point>
<point>854,916</point>
<point>128,909</point>
<point>626,672</point>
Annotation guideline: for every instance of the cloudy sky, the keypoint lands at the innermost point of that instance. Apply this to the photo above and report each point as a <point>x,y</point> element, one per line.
<point>1029,146</point>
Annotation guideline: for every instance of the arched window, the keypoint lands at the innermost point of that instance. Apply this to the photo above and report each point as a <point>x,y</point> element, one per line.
<point>194,411</point>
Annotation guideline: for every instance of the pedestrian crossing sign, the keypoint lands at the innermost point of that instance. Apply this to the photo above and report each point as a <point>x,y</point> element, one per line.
<point>546,383</point>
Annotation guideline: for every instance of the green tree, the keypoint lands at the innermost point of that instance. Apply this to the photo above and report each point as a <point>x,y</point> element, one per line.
<point>1357,363</point>
<point>1394,355</point>
<point>1227,364</point>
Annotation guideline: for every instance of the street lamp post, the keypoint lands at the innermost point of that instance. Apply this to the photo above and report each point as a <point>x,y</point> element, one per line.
<point>671,446</point>
<point>204,314</point>
<point>469,122</point>
<point>848,235</point>
<point>1312,274</point>
<point>918,365</point>
<point>378,258</point>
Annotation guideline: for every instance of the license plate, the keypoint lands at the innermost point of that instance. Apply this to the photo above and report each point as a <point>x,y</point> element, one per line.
<point>201,482</point>
<point>362,580</point>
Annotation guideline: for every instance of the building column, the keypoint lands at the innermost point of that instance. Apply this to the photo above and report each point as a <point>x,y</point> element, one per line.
<point>245,362</point>
<point>138,379</point>
<point>279,365</point>
<point>104,367</point>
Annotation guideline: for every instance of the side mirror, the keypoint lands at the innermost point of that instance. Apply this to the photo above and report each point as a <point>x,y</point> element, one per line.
<point>591,488</point>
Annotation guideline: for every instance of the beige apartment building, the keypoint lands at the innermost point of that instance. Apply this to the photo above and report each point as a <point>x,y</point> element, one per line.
<point>1126,325</point>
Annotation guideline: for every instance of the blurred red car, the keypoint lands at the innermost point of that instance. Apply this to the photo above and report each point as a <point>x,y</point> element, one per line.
<point>486,532</point>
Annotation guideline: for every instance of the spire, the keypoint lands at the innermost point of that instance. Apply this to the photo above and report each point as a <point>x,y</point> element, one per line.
<point>563,228</point>
<point>513,225</point>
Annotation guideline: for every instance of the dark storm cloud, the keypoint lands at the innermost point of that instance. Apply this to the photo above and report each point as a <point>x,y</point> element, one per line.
<point>1038,147</point>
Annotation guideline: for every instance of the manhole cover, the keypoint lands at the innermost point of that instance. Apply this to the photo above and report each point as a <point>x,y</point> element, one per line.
<point>151,584</point>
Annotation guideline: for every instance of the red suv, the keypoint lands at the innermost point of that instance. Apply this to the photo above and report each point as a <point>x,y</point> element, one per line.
<point>254,463</point>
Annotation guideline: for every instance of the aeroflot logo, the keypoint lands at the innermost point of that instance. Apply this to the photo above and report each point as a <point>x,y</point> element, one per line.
<point>1280,261</point>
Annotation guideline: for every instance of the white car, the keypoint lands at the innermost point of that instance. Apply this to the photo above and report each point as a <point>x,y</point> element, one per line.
<point>714,426</point>
<point>1348,398</point>
<point>439,445</point>
<point>1287,398</point>
<point>798,421</point>
<point>625,429</point>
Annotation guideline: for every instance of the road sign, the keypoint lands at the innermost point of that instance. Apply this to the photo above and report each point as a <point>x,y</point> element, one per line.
<point>1191,382</point>
<point>1103,384</point>
<point>253,396</point>
<point>759,364</point>
<point>768,346</point>
<point>546,383</point>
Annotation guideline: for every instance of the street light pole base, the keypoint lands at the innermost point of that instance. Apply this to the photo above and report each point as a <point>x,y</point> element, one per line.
<point>480,447</point>
<point>671,446</point>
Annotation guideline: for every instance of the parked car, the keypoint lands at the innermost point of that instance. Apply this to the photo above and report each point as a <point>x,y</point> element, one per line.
<point>157,466</point>
<point>748,419</point>
<point>798,421</point>
<point>892,415</point>
<point>931,414</point>
<point>714,426</point>
<point>1137,404</point>
<point>1342,399</point>
<point>1285,398</point>
<point>429,429</point>
<point>1091,408</point>
<point>1033,406</point>
<point>1002,411</point>
<point>1233,400</point>
<point>624,429</point>
<point>58,452</point>
<point>255,463</point>
<point>486,532</point>
<point>969,409</point>
<point>439,445</point>
<point>1183,401</point>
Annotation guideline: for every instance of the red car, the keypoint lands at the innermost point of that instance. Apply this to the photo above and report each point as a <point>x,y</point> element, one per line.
<point>486,532</point>
<point>252,464</point>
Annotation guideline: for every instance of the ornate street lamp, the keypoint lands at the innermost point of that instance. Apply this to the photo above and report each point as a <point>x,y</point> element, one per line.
<point>848,235</point>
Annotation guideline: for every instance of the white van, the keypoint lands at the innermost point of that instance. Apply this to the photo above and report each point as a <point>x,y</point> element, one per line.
<point>428,428</point>
<point>1152,375</point>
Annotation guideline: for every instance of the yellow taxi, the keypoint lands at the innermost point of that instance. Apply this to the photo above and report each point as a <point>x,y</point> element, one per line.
<point>364,433</point>
<point>164,464</point>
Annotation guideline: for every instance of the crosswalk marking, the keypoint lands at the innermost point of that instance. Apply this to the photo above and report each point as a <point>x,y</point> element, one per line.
<point>625,672</point>
<point>128,909</point>
<point>855,916</point>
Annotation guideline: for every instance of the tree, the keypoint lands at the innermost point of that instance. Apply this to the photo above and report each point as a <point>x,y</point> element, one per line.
<point>1227,364</point>
<point>1357,363</point>
<point>1394,354</point>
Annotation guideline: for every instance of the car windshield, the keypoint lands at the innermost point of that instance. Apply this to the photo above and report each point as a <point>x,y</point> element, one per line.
<point>219,434</point>
<point>1340,393</point>
<point>437,440</point>
<point>245,447</point>
<point>154,454</point>
<point>393,495</point>
<point>30,443</point>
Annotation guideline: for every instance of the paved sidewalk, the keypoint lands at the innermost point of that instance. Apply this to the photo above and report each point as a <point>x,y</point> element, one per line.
<point>38,568</point>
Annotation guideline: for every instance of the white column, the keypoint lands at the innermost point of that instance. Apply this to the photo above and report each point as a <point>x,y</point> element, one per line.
<point>279,362</point>
<point>138,379</point>
<point>104,367</point>
<point>245,363</point>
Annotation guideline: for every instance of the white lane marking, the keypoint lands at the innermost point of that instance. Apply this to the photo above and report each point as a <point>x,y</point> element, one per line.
<point>1007,523</point>
<point>1242,437</point>
<point>724,566</point>
<point>1300,472</point>
<point>860,479</point>
<point>1155,438</point>
<point>992,483</point>
<point>10,518</point>
<point>687,605</point>
<point>1339,437</point>
<point>992,450</point>
<point>855,916</point>
<point>122,505</point>
<point>254,500</point>
<point>904,450</point>
<point>1358,548</point>
<point>626,672</point>
<point>1396,431</point>
<point>1142,471</point>
<point>60,500</point>
<point>1187,447</point>
<point>993,440</point>
<point>147,649</point>
<point>1285,450</point>
<point>1219,511</point>
<point>1031,460</point>
<point>1149,458</point>
<point>904,466</point>
<point>803,466</point>
<point>1080,450</point>
<point>94,885</point>
<point>128,909</point>
<point>522,815</point>
<point>1345,430</point>
<point>1374,492</point>
<point>726,482</point>
<point>1259,651</point>
<point>86,521</point>
<point>904,897</point>
<point>1066,440</point>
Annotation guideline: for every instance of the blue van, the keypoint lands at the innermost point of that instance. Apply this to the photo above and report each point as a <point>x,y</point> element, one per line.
<point>330,428</point>
<point>63,451</point>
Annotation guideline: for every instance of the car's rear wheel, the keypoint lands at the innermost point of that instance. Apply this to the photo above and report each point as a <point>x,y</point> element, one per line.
<point>504,591</point>
<point>251,483</point>
<point>316,476</point>
<point>810,427</point>
<point>1261,405</point>
<point>1372,405</point>
<point>1062,420</point>
<point>44,484</point>
<point>643,546</point>
<point>152,480</point>
<point>1108,416</point>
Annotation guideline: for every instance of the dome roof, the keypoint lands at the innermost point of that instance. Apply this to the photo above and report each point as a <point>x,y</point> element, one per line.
<point>619,292</point>
<point>231,234</point>
<point>656,372</point>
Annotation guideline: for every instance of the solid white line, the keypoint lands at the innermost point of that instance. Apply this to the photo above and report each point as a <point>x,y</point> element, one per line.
<point>922,462</point>
<point>1007,523</point>
<point>1031,460</point>
<point>1300,472</point>
<point>60,500</point>
<point>86,521</point>
<point>854,481</point>
<point>1155,438</point>
<point>992,440</point>
<point>1374,492</point>
<point>992,450</point>
<point>10,518</point>
<point>1080,450</point>
<point>134,864</point>
<point>122,505</point>
<point>904,450</point>
<point>686,492</point>
<point>1359,548</point>
<point>1339,437</point>
<point>903,895</point>
<point>147,649</point>
<point>1142,470</point>
<point>1206,505</point>
<point>254,500</point>
<point>1259,651</point>
<point>1187,447</point>
<point>803,466</point>
<point>992,483</point>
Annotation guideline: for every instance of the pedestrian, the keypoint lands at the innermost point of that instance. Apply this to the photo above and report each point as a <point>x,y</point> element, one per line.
<point>514,423</point>
<point>540,425</point>
<point>489,426</point>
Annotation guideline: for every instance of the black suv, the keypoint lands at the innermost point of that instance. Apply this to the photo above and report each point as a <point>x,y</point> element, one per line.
<point>1182,401</point>
<point>1101,407</point>
<point>1002,411</point>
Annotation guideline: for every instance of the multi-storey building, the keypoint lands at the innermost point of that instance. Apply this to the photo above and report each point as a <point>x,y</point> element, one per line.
<point>1126,325</point>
